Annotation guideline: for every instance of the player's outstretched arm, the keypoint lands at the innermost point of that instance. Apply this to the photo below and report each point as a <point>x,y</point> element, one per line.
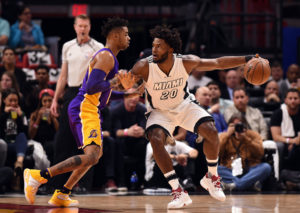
<point>139,71</point>
<point>192,62</point>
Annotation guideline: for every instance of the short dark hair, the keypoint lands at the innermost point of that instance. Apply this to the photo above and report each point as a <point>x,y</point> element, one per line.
<point>213,83</point>
<point>113,23</point>
<point>170,36</point>
<point>238,89</point>
<point>275,64</point>
<point>9,91</point>
<point>238,116</point>
<point>42,67</point>
<point>8,48</point>
<point>83,17</point>
<point>292,90</point>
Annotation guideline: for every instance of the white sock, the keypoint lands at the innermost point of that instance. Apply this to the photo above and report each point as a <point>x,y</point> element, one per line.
<point>172,179</point>
<point>212,166</point>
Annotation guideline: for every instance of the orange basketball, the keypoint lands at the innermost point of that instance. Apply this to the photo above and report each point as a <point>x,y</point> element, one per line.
<point>257,71</point>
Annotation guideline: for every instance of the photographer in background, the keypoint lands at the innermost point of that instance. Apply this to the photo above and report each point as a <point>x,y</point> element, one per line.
<point>241,151</point>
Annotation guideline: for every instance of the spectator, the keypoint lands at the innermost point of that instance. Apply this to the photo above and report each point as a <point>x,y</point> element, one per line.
<point>8,81</point>
<point>13,126</point>
<point>203,96</point>
<point>182,157</point>
<point>277,72</point>
<point>232,82</point>
<point>271,100</point>
<point>197,79</point>
<point>241,151</point>
<point>218,104</point>
<point>254,117</point>
<point>285,129</point>
<point>129,122</point>
<point>43,125</point>
<point>292,74</point>
<point>41,82</point>
<point>24,33</point>
<point>76,55</point>
<point>9,65</point>
<point>4,30</point>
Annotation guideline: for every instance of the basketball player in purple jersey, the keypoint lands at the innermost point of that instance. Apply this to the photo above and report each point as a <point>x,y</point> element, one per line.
<point>84,117</point>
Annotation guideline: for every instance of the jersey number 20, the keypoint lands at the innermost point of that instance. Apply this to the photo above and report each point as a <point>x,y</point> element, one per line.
<point>166,94</point>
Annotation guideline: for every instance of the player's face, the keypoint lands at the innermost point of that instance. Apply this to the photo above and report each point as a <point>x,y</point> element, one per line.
<point>240,100</point>
<point>82,28</point>
<point>124,38</point>
<point>160,50</point>
<point>292,100</point>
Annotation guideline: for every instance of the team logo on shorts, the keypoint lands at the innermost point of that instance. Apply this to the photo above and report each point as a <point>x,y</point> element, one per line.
<point>93,134</point>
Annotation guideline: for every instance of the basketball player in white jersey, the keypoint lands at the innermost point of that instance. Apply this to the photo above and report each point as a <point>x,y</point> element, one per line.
<point>165,74</point>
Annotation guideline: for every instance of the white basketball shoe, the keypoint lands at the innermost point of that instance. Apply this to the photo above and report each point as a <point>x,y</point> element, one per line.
<point>180,199</point>
<point>213,185</point>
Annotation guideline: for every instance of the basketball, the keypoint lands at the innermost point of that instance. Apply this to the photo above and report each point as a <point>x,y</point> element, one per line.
<point>257,71</point>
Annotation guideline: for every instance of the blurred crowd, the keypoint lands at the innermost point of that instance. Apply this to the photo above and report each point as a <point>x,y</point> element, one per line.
<point>259,126</point>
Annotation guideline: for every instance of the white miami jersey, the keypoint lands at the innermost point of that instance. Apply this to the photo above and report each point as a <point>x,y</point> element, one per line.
<point>164,91</point>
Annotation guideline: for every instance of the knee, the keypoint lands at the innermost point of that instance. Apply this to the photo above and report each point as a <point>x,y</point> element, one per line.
<point>157,140</point>
<point>94,157</point>
<point>266,168</point>
<point>208,131</point>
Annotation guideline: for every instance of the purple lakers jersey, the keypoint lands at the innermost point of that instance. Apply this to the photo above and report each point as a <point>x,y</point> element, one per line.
<point>99,99</point>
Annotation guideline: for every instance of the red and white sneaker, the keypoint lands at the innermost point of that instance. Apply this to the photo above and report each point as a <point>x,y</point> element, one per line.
<point>213,185</point>
<point>180,199</point>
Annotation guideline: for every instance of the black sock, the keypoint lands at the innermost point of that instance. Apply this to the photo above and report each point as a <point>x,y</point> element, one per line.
<point>45,174</point>
<point>65,190</point>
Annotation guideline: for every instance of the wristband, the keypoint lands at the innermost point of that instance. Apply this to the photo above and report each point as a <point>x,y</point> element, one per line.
<point>35,125</point>
<point>287,140</point>
<point>125,132</point>
<point>249,57</point>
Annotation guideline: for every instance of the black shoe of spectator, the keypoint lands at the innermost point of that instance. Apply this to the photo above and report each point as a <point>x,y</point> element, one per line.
<point>43,190</point>
<point>257,186</point>
<point>188,185</point>
<point>228,186</point>
<point>291,186</point>
<point>79,190</point>
<point>111,188</point>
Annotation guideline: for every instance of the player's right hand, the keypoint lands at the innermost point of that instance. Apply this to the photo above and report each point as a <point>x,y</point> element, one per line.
<point>53,108</point>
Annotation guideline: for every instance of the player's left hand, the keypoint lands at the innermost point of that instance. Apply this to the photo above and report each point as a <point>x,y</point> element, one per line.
<point>127,79</point>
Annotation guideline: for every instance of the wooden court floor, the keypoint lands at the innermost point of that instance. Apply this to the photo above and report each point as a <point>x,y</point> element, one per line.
<point>151,204</point>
